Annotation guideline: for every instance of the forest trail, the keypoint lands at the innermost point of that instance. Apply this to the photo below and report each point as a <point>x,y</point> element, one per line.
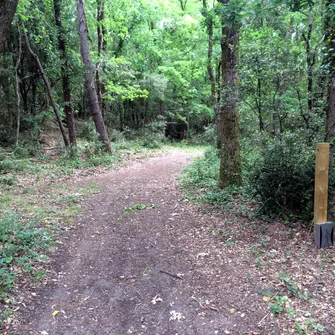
<point>141,261</point>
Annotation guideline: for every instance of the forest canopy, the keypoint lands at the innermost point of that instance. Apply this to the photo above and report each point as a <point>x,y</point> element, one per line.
<point>247,76</point>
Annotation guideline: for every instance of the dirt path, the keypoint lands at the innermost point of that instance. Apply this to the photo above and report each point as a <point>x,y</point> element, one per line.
<point>150,271</point>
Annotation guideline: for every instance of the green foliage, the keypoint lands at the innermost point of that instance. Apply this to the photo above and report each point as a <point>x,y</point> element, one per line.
<point>138,207</point>
<point>151,135</point>
<point>282,179</point>
<point>231,12</point>
<point>206,137</point>
<point>200,180</point>
<point>279,304</point>
<point>6,165</point>
<point>22,243</point>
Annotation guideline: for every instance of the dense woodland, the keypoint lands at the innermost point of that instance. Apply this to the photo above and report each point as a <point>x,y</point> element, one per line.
<point>254,78</point>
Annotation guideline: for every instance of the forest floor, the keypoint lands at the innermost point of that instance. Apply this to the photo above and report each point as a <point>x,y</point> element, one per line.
<point>140,258</point>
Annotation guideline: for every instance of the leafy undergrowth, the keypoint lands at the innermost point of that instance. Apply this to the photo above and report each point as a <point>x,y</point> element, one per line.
<point>31,219</point>
<point>296,280</point>
<point>48,169</point>
<point>200,182</point>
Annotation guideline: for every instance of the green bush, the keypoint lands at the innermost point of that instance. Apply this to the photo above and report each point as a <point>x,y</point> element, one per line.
<point>205,137</point>
<point>283,178</point>
<point>8,180</point>
<point>151,135</point>
<point>86,131</point>
<point>6,165</point>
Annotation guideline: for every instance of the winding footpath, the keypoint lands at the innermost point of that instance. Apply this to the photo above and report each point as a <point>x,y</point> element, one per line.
<point>139,261</point>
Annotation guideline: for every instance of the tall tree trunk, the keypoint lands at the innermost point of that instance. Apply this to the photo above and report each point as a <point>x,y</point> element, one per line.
<point>89,78</point>
<point>17,91</point>
<point>101,31</point>
<point>329,36</point>
<point>310,61</point>
<point>217,111</point>
<point>230,166</point>
<point>259,105</point>
<point>46,82</point>
<point>329,27</point>
<point>7,11</point>
<point>65,74</point>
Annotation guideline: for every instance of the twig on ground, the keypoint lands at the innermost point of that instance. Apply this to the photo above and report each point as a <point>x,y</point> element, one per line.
<point>171,274</point>
<point>260,322</point>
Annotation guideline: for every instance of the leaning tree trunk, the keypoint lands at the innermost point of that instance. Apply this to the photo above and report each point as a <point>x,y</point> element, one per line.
<point>46,82</point>
<point>230,166</point>
<point>65,75</point>
<point>89,78</point>
<point>7,11</point>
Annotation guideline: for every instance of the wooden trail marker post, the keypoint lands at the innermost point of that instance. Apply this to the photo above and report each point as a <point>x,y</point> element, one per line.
<point>323,230</point>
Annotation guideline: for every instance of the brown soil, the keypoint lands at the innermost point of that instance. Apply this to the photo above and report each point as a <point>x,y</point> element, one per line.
<point>157,271</point>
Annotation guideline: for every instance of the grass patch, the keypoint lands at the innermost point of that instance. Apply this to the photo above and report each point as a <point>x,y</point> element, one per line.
<point>23,243</point>
<point>137,207</point>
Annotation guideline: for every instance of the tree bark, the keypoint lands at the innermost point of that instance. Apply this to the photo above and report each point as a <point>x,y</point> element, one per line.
<point>259,105</point>
<point>65,74</point>
<point>7,11</point>
<point>329,27</point>
<point>230,166</point>
<point>310,61</point>
<point>101,32</point>
<point>47,84</point>
<point>217,111</point>
<point>329,37</point>
<point>89,78</point>
<point>17,91</point>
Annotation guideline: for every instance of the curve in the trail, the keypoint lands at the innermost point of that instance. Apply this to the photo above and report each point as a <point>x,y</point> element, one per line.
<point>136,264</point>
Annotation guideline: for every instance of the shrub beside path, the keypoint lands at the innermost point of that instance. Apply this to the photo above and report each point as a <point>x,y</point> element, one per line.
<point>141,260</point>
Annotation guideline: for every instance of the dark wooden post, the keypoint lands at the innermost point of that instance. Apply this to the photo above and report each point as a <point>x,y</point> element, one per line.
<point>323,230</point>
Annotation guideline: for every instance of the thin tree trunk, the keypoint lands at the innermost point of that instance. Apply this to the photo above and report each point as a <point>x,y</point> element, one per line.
<point>46,82</point>
<point>183,4</point>
<point>302,109</point>
<point>329,37</point>
<point>65,75</point>
<point>101,31</point>
<point>230,166</point>
<point>217,111</point>
<point>17,91</point>
<point>329,28</point>
<point>89,78</point>
<point>310,61</point>
<point>7,11</point>
<point>259,105</point>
